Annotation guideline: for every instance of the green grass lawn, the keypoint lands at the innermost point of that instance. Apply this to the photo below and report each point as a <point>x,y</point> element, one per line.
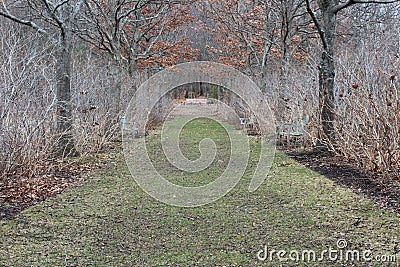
<point>110,221</point>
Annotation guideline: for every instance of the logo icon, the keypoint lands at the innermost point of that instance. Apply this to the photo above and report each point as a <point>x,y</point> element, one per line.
<point>148,96</point>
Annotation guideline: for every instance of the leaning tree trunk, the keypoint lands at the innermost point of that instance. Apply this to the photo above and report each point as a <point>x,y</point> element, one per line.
<point>65,141</point>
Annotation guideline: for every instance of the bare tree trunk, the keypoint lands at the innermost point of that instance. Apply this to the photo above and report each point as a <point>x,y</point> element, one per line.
<point>326,99</point>
<point>60,16</point>
<point>283,98</point>
<point>326,26</point>
<point>116,73</point>
<point>327,31</point>
<point>65,143</point>
<point>327,77</point>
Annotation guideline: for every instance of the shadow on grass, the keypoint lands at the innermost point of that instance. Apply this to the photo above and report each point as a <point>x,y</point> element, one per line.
<point>343,173</point>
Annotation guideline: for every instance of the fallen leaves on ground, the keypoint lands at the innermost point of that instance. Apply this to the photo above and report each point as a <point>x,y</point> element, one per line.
<point>18,192</point>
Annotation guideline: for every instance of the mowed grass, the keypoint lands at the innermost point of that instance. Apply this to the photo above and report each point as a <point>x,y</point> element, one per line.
<point>110,221</point>
<point>189,140</point>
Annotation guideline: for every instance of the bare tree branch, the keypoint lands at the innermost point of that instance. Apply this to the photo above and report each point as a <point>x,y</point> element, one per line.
<point>317,24</point>
<point>352,2</point>
<point>31,24</point>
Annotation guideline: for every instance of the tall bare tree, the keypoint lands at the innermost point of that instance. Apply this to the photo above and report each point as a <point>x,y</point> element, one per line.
<point>260,36</point>
<point>55,20</point>
<point>136,35</point>
<point>325,20</point>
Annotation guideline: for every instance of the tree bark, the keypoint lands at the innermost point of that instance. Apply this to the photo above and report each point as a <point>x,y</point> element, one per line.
<point>326,27</point>
<point>283,96</point>
<point>65,142</point>
<point>116,73</point>
<point>326,100</point>
<point>327,76</point>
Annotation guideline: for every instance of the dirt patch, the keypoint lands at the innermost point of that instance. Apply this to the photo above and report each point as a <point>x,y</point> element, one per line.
<point>340,171</point>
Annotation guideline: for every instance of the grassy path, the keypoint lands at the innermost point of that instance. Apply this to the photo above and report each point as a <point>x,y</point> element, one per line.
<point>110,221</point>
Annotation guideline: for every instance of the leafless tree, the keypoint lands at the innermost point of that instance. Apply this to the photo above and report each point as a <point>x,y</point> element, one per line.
<point>324,15</point>
<point>54,19</point>
<point>267,38</point>
<point>135,34</point>
<point>27,100</point>
<point>367,90</point>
